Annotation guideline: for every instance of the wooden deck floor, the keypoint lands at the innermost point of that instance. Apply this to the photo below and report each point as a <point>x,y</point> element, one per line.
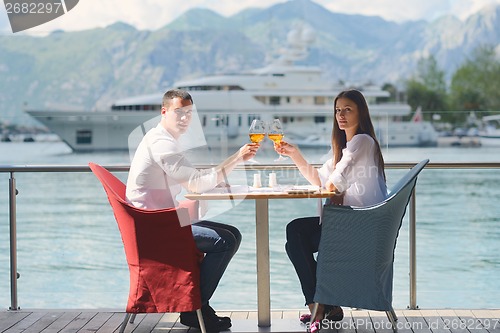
<point>355,321</point>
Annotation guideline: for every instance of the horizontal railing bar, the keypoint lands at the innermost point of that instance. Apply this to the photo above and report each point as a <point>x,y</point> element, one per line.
<point>123,168</point>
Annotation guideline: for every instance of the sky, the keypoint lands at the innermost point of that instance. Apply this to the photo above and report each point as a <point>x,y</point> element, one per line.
<point>154,14</point>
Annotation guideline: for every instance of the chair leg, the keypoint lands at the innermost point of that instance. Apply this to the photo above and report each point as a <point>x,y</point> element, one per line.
<point>202,322</point>
<point>391,315</point>
<point>132,318</point>
<point>124,323</point>
<point>394,315</point>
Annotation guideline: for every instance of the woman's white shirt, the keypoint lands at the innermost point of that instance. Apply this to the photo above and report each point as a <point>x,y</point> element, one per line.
<point>357,173</point>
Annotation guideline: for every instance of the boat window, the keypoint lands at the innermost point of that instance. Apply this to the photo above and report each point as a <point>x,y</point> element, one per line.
<point>288,99</point>
<point>84,137</point>
<point>278,74</point>
<point>209,87</point>
<point>251,118</point>
<point>274,100</point>
<point>319,119</point>
<point>204,121</point>
<point>239,121</point>
<point>319,100</point>
<point>261,99</point>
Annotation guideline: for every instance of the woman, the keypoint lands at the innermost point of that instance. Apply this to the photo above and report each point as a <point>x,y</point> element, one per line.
<point>355,172</point>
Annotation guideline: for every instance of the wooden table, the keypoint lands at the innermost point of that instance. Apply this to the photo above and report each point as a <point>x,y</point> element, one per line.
<point>262,238</point>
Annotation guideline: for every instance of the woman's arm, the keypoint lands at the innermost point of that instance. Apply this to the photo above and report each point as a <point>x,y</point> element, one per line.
<point>307,170</point>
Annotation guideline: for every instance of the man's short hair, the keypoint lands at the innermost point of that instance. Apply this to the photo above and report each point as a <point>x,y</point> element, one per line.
<point>174,93</point>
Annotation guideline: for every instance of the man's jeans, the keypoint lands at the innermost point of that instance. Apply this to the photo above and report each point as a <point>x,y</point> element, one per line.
<point>219,242</point>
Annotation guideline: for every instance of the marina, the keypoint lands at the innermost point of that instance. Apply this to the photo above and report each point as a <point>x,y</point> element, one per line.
<point>226,103</point>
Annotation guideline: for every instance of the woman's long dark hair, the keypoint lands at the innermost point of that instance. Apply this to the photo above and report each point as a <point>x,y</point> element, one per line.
<point>365,126</point>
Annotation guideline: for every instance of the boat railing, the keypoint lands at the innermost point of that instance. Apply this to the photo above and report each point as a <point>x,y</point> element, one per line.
<point>412,216</point>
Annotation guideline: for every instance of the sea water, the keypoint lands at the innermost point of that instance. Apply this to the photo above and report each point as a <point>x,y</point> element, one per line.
<point>70,253</point>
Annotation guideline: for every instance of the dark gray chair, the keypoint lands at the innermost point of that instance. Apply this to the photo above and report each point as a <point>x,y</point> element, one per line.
<point>356,251</point>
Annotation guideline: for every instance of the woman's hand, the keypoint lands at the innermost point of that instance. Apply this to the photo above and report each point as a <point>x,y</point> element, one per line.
<point>248,151</point>
<point>329,186</point>
<point>338,198</point>
<point>285,148</point>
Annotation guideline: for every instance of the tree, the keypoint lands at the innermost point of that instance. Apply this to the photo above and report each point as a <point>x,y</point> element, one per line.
<point>427,88</point>
<point>475,86</point>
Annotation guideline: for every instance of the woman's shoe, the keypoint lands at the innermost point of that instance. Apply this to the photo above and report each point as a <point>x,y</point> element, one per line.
<point>305,318</point>
<point>315,327</point>
<point>335,314</point>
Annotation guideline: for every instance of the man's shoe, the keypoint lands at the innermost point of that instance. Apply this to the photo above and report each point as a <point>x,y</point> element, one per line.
<point>209,312</point>
<point>212,324</point>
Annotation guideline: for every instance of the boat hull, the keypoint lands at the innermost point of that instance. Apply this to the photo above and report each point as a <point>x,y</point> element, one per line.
<point>490,140</point>
<point>111,130</point>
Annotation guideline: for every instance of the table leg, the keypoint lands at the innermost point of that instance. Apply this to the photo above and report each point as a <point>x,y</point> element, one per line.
<point>263,272</point>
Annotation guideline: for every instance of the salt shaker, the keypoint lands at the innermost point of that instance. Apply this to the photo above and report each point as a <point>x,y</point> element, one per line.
<point>272,180</point>
<point>256,180</point>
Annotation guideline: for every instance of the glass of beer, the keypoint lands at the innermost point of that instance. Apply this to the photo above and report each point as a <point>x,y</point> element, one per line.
<point>257,133</point>
<point>275,133</point>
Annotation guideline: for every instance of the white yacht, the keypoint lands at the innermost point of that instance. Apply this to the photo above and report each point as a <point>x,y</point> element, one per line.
<point>297,95</point>
<point>490,134</point>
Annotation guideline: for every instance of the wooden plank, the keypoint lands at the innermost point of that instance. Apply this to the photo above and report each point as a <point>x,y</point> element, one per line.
<point>451,321</point>
<point>96,322</point>
<point>347,325</point>
<point>113,323</point>
<point>276,315</point>
<point>239,315</point>
<point>490,319</point>
<point>53,321</point>
<point>11,319</point>
<point>416,321</point>
<point>78,322</point>
<point>137,321</point>
<point>381,323</point>
<point>166,322</point>
<point>291,314</point>
<point>403,325</point>
<point>355,321</point>
<point>470,322</point>
<point>362,321</point>
<point>148,323</point>
<point>435,321</point>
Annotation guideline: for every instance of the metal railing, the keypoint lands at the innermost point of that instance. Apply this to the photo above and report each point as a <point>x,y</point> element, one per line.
<point>12,169</point>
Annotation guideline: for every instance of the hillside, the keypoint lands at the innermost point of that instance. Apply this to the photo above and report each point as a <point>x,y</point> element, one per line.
<point>90,69</point>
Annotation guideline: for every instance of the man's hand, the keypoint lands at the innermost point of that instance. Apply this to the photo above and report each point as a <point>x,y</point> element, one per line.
<point>248,151</point>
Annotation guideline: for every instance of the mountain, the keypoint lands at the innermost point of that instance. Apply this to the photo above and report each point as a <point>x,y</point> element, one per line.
<point>90,69</point>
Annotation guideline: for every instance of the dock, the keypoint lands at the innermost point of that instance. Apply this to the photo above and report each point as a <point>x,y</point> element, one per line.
<point>355,321</point>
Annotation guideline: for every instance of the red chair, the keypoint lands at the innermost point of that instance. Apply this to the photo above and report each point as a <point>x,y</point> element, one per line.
<point>162,257</point>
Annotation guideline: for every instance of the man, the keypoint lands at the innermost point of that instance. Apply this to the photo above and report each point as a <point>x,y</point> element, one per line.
<point>157,174</point>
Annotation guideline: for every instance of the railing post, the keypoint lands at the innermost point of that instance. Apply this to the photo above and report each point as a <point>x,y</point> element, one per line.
<point>413,251</point>
<point>13,242</point>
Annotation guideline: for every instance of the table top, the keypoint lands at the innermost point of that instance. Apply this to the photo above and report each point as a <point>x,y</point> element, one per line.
<point>263,193</point>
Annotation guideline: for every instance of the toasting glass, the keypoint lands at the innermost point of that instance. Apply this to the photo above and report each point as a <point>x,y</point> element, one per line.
<point>275,133</point>
<point>257,133</point>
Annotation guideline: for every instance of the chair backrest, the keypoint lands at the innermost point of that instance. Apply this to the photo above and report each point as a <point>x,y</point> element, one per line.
<point>356,252</point>
<point>409,178</point>
<point>161,254</point>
